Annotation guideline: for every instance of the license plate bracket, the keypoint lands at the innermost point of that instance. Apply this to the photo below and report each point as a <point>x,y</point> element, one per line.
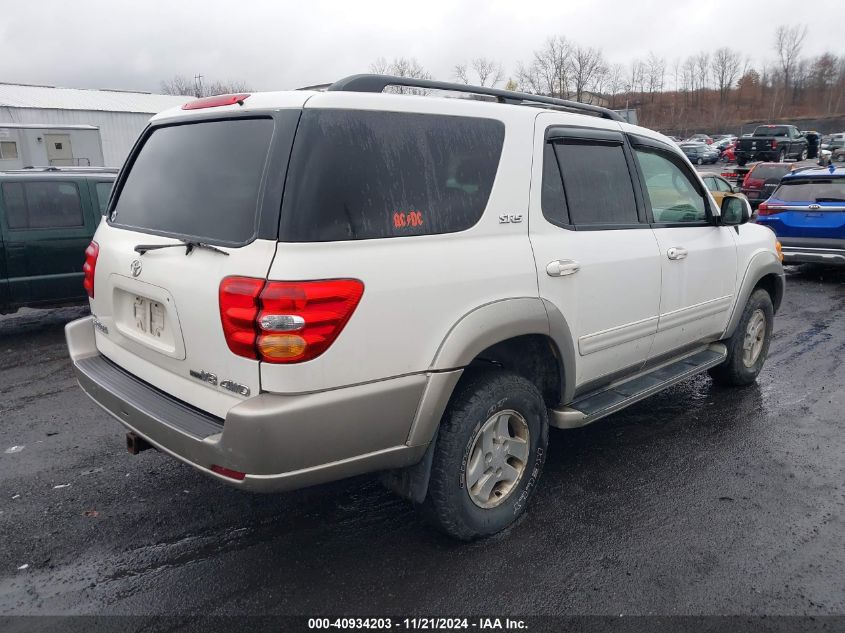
<point>149,316</point>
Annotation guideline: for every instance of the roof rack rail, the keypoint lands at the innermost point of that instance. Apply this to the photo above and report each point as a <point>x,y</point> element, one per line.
<point>377,83</point>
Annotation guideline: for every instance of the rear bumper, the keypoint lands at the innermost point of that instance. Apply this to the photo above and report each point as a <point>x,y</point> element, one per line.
<point>280,442</point>
<point>764,155</point>
<point>809,255</point>
<point>813,250</point>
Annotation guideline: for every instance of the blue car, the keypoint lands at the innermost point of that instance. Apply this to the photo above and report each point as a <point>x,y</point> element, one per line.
<point>807,212</point>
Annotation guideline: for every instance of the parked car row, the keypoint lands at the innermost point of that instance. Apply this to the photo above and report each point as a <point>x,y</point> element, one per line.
<point>804,206</point>
<point>807,213</point>
<point>768,143</point>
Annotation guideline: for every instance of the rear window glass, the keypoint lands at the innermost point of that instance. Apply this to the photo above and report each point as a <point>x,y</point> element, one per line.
<point>765,172</point>
<point>771,131</point>
<point>199,180</point>
<point>361,175</point>
<point>42,205</point>
<point>821,190</point>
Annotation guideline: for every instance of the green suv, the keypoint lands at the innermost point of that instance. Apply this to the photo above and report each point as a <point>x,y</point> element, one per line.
<point>47,218</point>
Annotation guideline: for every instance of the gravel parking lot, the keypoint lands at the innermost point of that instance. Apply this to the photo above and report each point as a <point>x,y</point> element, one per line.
<point>700,500</point>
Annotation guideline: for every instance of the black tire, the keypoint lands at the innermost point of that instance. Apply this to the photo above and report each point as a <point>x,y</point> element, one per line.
<point>781,156</point>
<point>700,161</point>
<point>734,371</point>
<point>480,394</point>
<point>741,160</point>
<point>803,155</point>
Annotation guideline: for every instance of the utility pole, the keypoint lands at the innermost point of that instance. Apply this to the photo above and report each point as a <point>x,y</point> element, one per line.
<point>198,86</point>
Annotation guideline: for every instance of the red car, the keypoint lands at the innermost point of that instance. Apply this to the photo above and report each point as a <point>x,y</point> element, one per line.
<point>728,153</point>
<point>762,180</point>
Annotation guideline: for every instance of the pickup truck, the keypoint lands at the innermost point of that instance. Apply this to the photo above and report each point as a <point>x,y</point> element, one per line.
<point>772,143</point>
<point>47,218</point>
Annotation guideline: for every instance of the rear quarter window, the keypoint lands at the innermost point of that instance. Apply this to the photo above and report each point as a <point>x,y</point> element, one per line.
<point>358,175</point>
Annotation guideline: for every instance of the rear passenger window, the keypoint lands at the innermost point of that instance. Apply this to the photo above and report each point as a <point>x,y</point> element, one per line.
<point>360,175</point>
<point>14,204</point>
<point>596,182</point>
<point>42,205</point>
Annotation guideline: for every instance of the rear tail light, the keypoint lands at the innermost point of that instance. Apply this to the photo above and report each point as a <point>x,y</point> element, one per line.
<point>285,322</point>
<point>765,209</point>
<point>238,312</point>
<point>89,267</point>
<point>216,101</point>
<point>774,144</point>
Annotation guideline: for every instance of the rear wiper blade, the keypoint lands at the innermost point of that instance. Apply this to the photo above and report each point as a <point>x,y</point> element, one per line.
<point>830,199</point>
<point>189,247</point>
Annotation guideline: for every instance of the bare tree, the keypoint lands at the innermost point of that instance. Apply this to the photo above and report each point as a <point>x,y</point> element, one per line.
<point>788,43</point>
<point>548,72</point>
<point>380,67</point>
<point>489,72</point>
<point>226,87</point>
<point>402,67</point>
<point>727,64</point>
<point>655,68</point>
<point>586,67</point>
<point>635,79</point>
<point>614,82</point>
<point>824,72</point>
<point>181,85</point>
<point>486,72</point>
<point>461,73</point>
<point>178,85</point>
<point>702,69</point>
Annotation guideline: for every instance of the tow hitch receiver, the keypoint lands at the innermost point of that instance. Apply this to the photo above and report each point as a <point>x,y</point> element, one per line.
<point>135,444</point>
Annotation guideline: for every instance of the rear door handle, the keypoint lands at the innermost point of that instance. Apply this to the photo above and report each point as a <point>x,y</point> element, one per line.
<point>562,267</point>
<point>677,252</point>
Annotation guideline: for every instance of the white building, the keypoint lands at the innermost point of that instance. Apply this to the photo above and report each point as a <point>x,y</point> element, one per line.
<point>59,113</point>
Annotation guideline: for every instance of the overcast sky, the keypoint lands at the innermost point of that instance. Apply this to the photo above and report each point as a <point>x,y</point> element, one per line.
<point>274,45</point>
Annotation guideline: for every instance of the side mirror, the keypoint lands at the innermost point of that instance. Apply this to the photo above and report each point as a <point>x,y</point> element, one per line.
<point>735,211</point>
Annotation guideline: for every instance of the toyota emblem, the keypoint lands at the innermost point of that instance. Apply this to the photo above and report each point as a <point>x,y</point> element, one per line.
<point>135,267</point>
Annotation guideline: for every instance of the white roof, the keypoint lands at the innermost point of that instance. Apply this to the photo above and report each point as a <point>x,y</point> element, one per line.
<point>49,97</point>
<point>47,126</point>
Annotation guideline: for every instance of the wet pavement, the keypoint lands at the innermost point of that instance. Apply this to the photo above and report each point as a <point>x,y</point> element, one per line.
<point>701,500</point>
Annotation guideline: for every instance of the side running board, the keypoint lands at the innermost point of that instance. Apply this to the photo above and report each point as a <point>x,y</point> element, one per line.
<point>598,404</point>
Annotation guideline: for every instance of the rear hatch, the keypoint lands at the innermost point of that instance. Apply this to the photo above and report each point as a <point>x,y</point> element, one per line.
<point>214,180</point>
<point>764,179</point>
<point>810,208</point>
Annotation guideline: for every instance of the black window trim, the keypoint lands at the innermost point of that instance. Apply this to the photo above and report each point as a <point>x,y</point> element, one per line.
<point>557,133</point>
<point>23,184</point>
<point>270,186</point>
<point>664,150</point>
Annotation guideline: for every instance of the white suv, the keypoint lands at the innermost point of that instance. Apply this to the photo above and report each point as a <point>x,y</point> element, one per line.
<point>295,287</point>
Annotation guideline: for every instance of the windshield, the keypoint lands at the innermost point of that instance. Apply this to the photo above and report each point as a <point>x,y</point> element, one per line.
<point>199,180</point>
<point>774,130</point>
<point>817,190</point>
